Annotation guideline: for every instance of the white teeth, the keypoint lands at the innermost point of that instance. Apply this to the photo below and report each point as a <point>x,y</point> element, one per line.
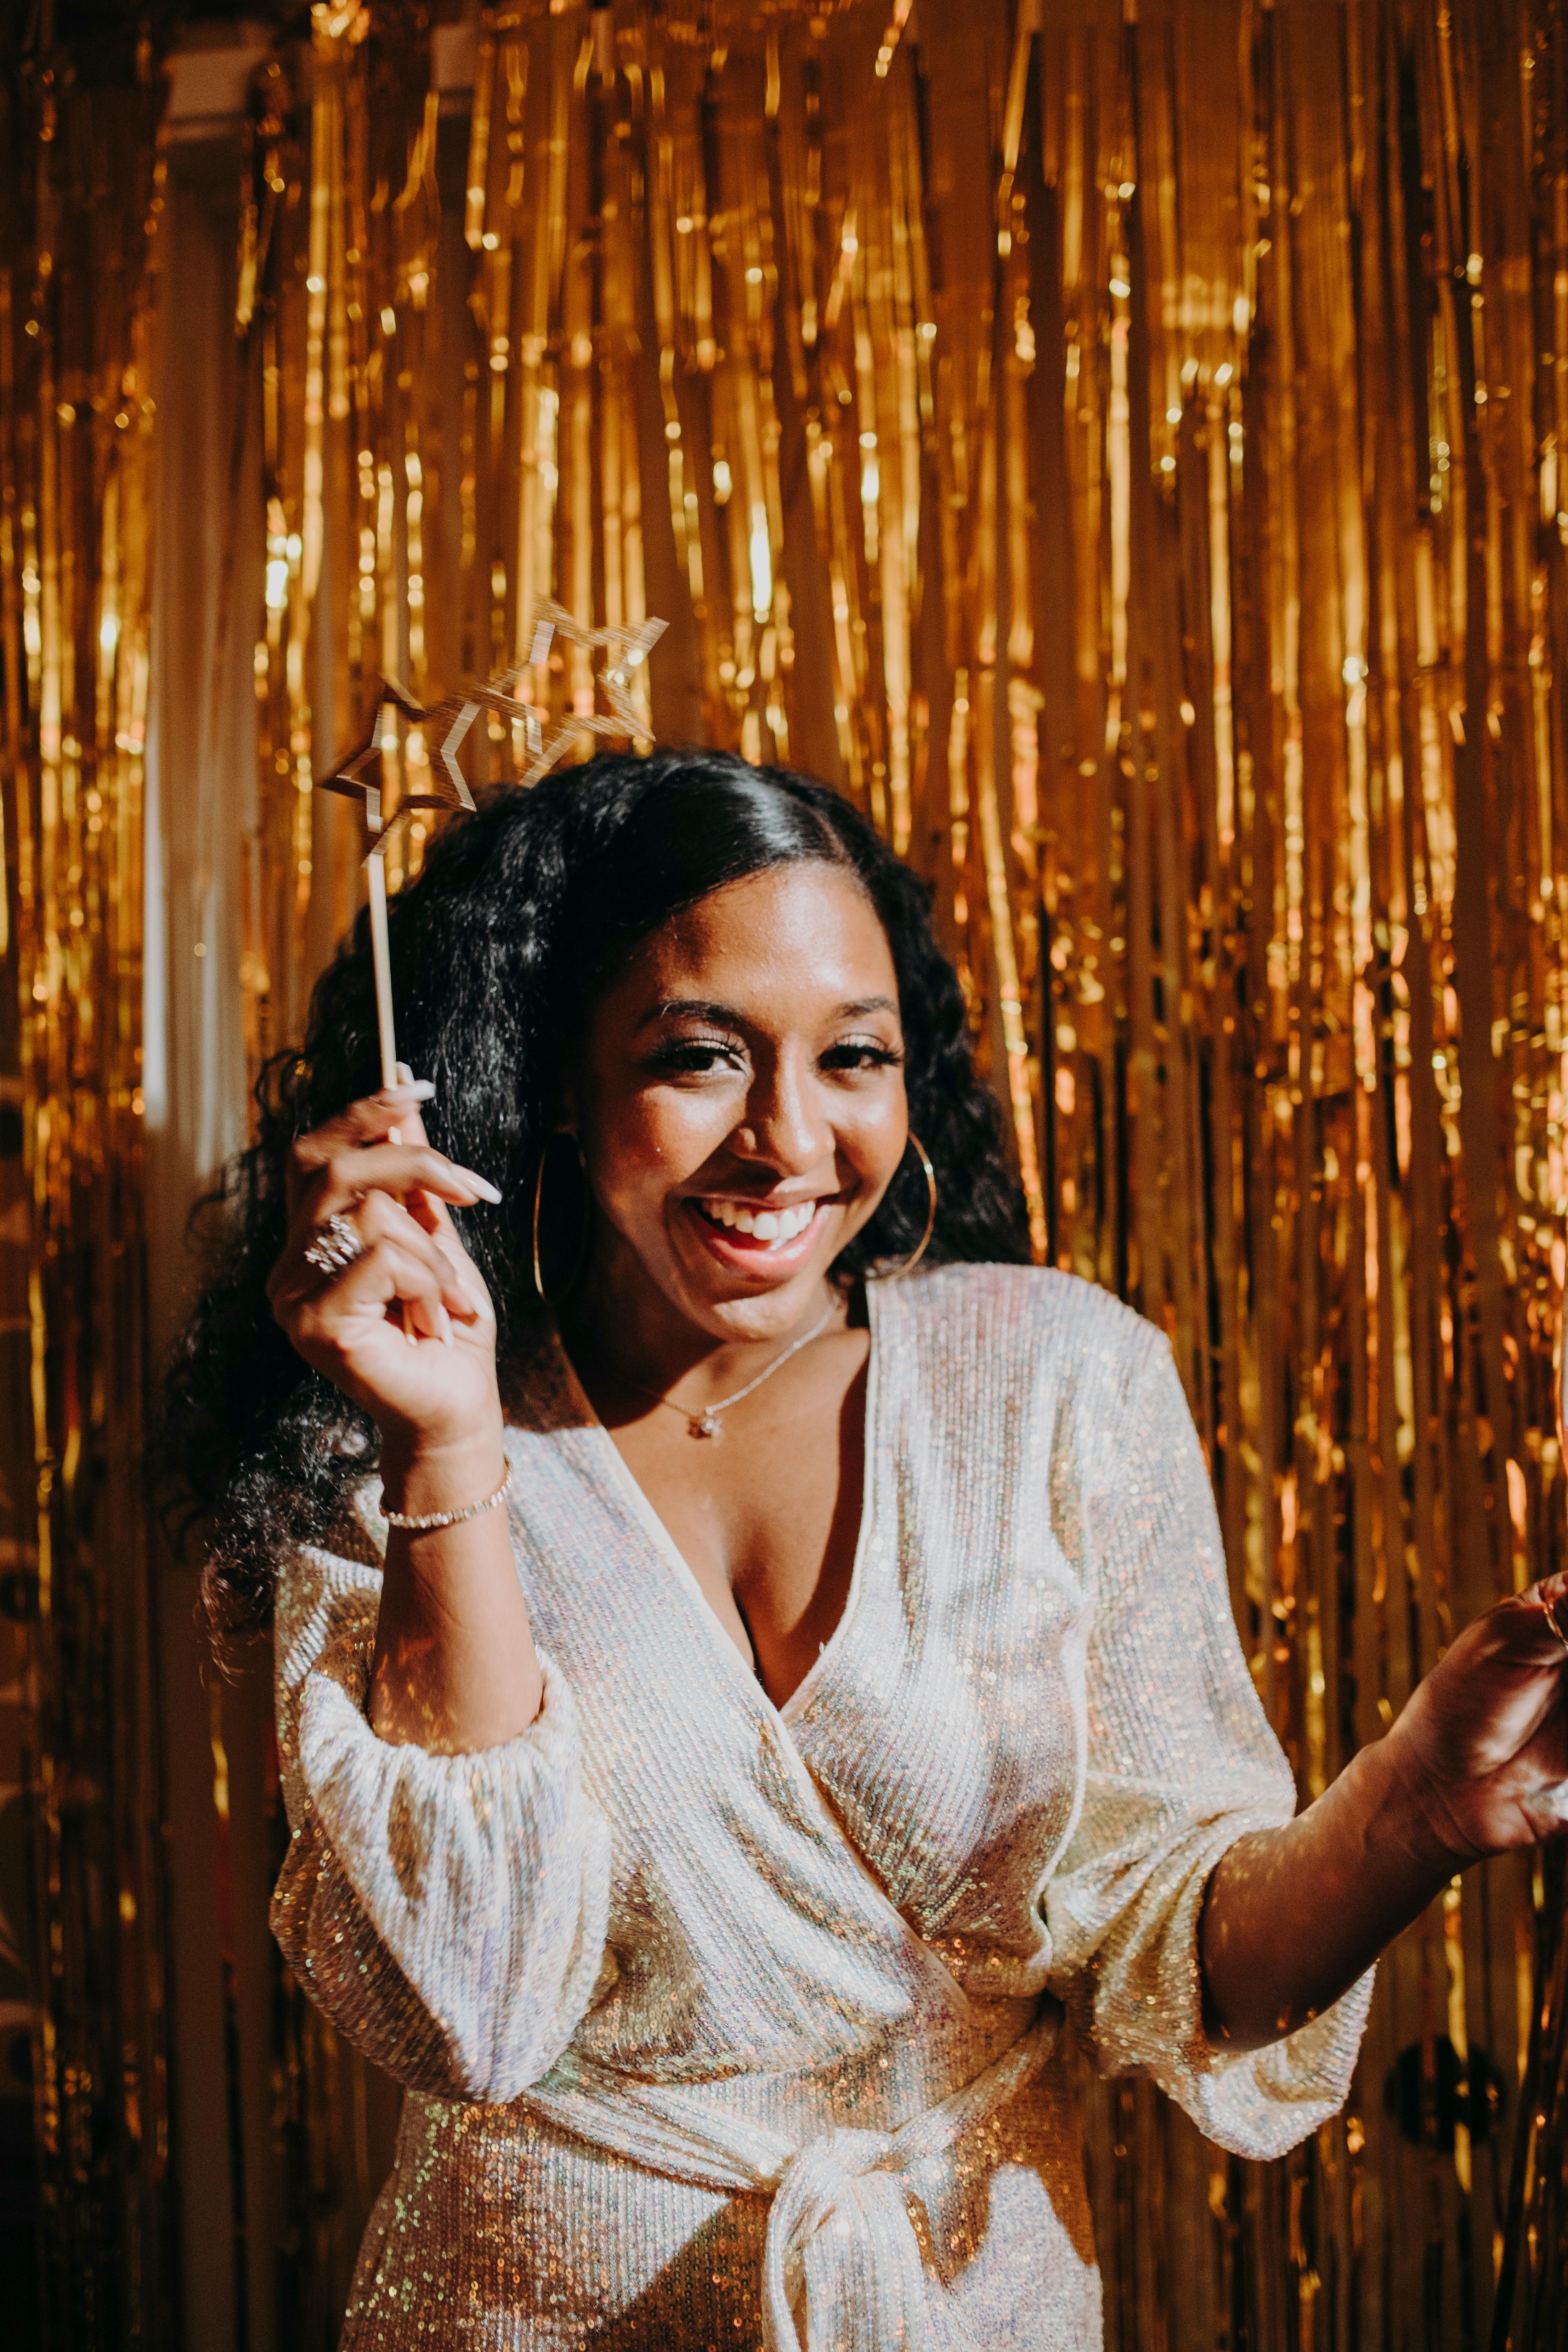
<point>771,1225</point>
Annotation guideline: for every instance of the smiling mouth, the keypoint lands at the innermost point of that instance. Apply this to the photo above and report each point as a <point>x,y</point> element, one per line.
<point>757,1229</point>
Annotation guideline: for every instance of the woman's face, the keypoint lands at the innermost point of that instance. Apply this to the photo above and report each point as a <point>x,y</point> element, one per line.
<point>740,1103</point>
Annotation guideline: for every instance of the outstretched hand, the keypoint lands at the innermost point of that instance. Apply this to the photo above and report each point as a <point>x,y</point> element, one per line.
<point>1476,1765</point>
<point>1482,1746</point>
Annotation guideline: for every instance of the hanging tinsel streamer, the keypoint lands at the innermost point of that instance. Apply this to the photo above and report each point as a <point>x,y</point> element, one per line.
<point>82,1959</point>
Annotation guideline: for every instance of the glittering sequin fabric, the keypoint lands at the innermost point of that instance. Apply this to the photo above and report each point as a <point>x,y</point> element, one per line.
<point>729,2025</point>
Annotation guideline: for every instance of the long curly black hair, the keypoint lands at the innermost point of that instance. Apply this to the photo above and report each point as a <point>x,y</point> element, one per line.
<point>522,914</point>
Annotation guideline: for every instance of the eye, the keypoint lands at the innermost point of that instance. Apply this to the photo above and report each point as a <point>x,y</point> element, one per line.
<point>696,1056</point>
<point>861,1053</point>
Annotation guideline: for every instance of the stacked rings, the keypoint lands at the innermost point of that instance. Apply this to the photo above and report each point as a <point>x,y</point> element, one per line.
<point>333,1246</point>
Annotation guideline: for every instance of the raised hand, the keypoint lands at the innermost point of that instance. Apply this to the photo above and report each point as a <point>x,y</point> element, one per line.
<point>406,1330</point>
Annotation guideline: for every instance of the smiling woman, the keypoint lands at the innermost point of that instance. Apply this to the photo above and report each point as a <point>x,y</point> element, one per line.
<point>521,937</point>
<point>741,1105</point>
<point>714,1838</point>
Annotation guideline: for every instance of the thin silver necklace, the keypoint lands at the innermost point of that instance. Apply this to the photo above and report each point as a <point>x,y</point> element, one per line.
<point>706,1422</point>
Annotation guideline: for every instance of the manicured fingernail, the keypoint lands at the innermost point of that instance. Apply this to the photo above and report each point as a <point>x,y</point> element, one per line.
<point>473,1296</point>
<point>411,1335</point>
<point>395,1135</point>
<point>482,1186</point>
<point>446,1325</point>
<point>404,1075</point>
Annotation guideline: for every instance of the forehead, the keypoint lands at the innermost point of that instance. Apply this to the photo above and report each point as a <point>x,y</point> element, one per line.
<point>793,934</point>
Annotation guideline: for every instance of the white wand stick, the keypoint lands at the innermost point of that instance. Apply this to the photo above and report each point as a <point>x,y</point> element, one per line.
<point>381,956</point>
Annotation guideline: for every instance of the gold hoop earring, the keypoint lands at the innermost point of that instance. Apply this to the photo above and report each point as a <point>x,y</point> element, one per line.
<point>907,1265</point>
<point>582,1258</point>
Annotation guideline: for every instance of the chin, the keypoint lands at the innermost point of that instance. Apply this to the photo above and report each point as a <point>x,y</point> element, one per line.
<point>757,1301</point>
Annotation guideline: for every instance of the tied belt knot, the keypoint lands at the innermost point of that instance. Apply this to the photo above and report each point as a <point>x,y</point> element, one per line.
<point>843,2269</point>
<point>842,2265</point>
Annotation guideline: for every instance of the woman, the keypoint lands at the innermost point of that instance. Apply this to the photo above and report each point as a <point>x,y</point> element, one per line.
<point>731,1712</point>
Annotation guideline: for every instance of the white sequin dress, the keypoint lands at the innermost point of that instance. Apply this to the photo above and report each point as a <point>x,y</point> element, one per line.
<point>724,2025</point>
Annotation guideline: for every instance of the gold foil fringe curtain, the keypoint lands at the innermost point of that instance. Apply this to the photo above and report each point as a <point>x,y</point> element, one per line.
<point>81,1952</point>
<point>1124,454</point>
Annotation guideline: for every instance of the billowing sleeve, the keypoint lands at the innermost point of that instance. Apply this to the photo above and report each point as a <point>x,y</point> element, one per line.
<point>447,1912</point>
<point>1180,1763</point>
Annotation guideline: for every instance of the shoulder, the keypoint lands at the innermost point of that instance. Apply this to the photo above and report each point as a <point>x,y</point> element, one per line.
<point>1021,1311</point>
<point>1029,1380</point>
<point>1006,1335</point>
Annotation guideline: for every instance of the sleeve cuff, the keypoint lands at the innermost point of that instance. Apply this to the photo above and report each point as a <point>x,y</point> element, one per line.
<point>485,1877</point>
<point>1148,2016</point>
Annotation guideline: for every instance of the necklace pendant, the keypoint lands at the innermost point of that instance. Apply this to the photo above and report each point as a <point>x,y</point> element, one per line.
<point>706,1425</point>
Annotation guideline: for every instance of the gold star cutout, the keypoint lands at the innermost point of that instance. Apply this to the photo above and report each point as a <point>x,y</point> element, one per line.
<point>626,650</point>
<point>498,696</point>
<point>457,714</point>
<point>443,729</point>
<point>435,778</point>
<point>359,776</point>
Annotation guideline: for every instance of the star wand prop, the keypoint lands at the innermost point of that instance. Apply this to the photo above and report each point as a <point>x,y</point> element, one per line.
<point>361,776</point>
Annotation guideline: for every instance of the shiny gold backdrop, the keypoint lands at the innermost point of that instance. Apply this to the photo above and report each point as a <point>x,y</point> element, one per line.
<point>1122,451</point>
<point>82,2039</point>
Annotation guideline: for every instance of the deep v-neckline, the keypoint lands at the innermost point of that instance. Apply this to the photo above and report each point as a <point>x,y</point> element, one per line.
<point>643,1510</point>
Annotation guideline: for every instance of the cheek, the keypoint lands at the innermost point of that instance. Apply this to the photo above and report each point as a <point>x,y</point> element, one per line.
<point>875,1134</point>
<point>648,1142</point>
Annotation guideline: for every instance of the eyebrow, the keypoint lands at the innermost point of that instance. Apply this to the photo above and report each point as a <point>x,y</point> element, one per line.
<point>676,1008</point>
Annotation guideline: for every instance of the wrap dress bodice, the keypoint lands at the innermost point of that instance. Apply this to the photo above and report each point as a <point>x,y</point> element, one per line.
<point>731,2024</point>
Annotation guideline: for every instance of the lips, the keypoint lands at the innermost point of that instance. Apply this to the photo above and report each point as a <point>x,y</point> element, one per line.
<point>777,1227</point>
<point>758,1231</point>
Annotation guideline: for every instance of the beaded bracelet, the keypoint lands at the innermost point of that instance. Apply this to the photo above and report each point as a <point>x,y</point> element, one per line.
<point>447,1518</point>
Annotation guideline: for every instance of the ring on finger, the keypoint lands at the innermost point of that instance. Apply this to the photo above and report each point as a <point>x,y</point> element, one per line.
<point>333,1246</point>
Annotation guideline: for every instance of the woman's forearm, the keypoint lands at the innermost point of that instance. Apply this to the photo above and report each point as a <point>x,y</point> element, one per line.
<point>455,1670</point>
<point>1294,1915</point>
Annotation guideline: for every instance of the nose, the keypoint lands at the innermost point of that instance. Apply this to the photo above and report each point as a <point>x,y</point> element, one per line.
<point>785,1126</point>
